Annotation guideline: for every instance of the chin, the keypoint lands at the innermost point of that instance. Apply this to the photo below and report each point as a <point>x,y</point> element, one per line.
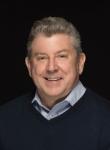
<point>54,94</point>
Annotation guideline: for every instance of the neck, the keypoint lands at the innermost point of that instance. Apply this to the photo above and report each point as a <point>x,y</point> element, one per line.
<point>49,102</point>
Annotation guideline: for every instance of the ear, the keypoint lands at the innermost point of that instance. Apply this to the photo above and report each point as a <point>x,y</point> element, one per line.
<point>28,65</point>
<point>82,59</point>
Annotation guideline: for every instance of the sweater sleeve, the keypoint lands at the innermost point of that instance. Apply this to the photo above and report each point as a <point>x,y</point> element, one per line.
<point>105,136</point>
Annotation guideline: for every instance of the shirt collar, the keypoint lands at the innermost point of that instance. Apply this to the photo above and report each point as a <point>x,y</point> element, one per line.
<point>76,93</point>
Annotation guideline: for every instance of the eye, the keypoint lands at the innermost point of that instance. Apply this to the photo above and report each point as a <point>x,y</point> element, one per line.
<point>63,55</point>
<point>41,57</point>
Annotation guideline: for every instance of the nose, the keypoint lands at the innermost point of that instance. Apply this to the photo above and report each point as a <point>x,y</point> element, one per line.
<point>52,65</point>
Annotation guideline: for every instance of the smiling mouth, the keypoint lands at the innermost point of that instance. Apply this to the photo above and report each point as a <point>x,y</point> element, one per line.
<point>53,79</point>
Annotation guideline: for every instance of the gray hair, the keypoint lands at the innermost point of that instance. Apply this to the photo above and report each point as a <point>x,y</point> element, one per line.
<point>54,25</point>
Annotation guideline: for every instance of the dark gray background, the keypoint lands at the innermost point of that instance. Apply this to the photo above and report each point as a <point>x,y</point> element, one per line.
<point>91,18</point>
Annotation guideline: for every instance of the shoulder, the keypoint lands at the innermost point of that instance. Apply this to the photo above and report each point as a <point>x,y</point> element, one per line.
<point>96,97</point>
<point>97,102</point>
<point>15,105</point>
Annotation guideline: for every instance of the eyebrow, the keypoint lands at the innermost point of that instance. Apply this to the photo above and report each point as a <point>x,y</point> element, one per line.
<point>42,53</point>
<point>39,53</point>
<point>64,50</point>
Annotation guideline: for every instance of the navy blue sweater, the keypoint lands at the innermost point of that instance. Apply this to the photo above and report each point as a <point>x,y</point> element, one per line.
<point>86,126</point>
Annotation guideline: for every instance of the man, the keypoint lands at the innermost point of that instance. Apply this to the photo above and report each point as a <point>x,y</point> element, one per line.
<point>61,114</point>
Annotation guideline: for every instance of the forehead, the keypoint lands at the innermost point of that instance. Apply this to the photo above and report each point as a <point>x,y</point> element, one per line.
<point>56,41</point>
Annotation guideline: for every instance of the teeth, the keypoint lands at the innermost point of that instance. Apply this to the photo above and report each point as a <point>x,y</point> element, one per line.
<point>52,79</point>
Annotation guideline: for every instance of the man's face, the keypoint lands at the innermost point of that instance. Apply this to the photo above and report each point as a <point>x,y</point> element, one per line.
<point>54,65</point>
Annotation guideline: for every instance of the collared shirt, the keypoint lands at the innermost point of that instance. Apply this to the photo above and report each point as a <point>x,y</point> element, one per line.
<point>61,107</point>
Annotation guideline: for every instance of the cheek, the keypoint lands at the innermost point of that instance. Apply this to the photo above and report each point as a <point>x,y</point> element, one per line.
<point>68,67</point>
<point>37,69</point>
